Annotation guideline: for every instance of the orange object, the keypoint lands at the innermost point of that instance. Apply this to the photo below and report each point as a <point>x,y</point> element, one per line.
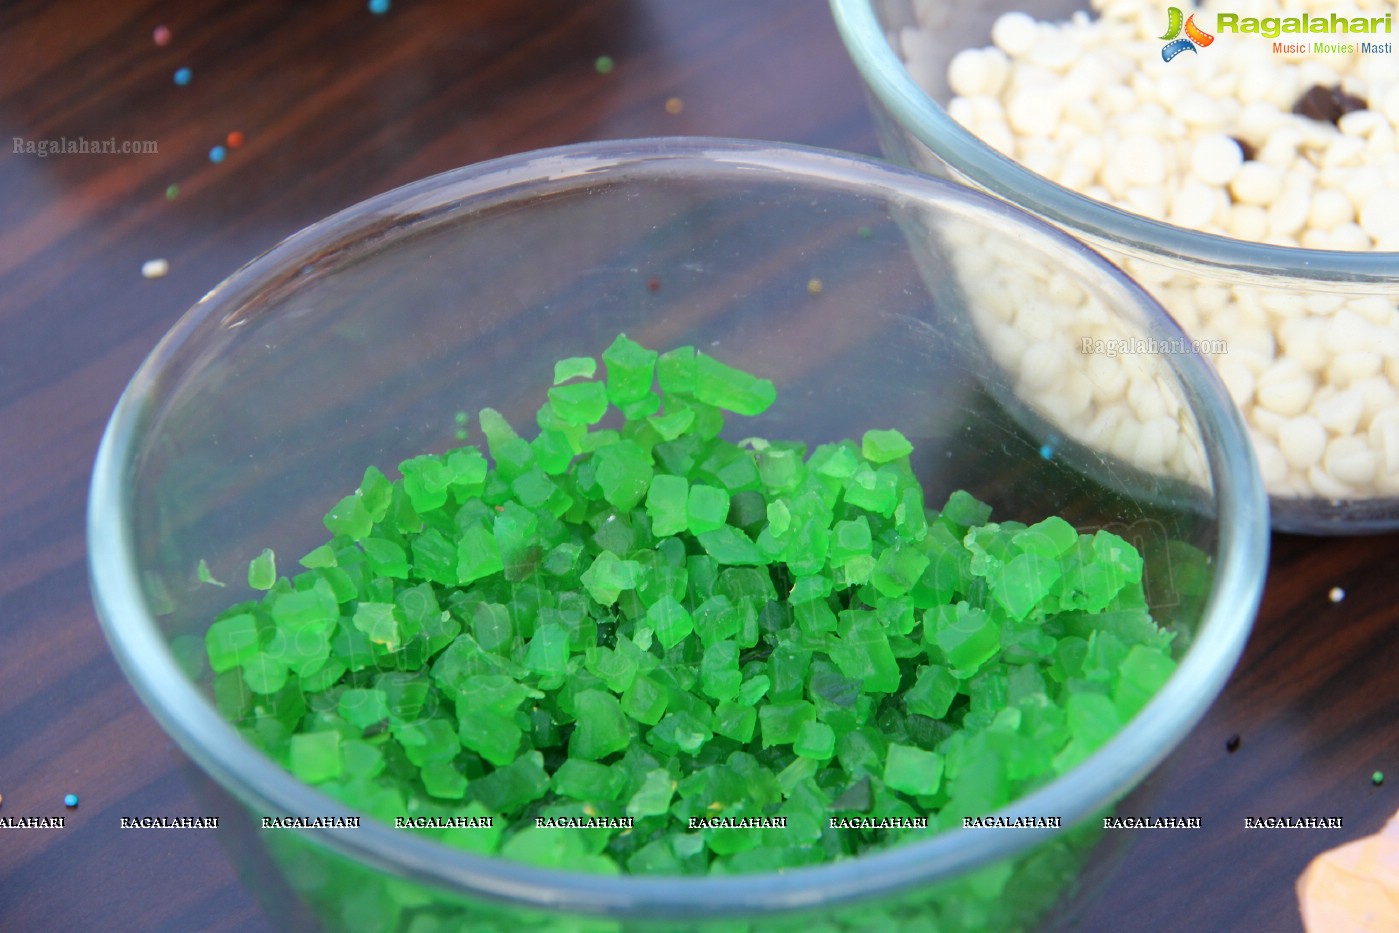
<point>235,139</point>
<point>1354,887</point>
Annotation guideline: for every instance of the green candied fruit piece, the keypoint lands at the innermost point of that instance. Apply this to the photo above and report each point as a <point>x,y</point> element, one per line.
<point>706,508</point>
<point>1024,582</point>
<point>601,728</point>
<point>666,503</point>
<point>965,510</point>
<point>932,692</point>
<point>1140,677</point>
<point>672,424</point>
<point>349,517</point>
<point>720,677</point>
<point>585,780</point>
<point>609,575</point>
<point>670,620</point>
<point>727,545</point>
<point>863,652</point>
<point>879,446</point>
<point>1049,538</point>
<point>875,491</point>
<point>735,721</point>
<point>623,473</point>
<point>444,780</point>
<point>967,637</point>
<point>426,740</point>
<point>631,368</point>
<point>505,790</point>
<point>490,734</point>
<point>426,480</point>
<point>675,371</point>
<point>653,797</point>
<point>898,569</point>
<point>363,707</point>
<point>645,701</point>
<point>815,740</point>
<point>850,539</point>
<point>315,756</point>
<point>478,555</point>
<point>782,722</point>
<point>579,403</point>
<point>262,570</point>
<point>547,653</point>
<point>575,367</point>
<point>381,622</point>
<point>232,642</point>
<point>912,770</point>
<point>313,610</point>
<point>204,575</point>
<point>731,389</point>
<point>387,558</point>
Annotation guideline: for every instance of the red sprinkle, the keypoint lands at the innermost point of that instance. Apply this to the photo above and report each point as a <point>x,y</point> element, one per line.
<point>161,35</point>
<point>654,284</point>
<point>235,139</point>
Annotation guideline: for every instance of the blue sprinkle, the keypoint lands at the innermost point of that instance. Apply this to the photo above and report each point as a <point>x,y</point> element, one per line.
<point>183,76</point>
<point>217,153</point>
<point>70,800</point>
<point>1046,452</point>
<point>378,7</point>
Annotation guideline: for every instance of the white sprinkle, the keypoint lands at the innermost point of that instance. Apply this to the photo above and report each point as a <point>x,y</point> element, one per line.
<point>154,268</point>
<point>1336,595</point>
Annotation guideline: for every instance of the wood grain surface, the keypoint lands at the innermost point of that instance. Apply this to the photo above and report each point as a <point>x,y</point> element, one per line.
<point>337,104</point>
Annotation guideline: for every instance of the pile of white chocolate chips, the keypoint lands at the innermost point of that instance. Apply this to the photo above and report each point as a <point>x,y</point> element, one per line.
<point>1241,139</point>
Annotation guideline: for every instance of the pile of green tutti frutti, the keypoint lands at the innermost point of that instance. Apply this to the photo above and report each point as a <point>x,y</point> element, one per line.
<point>645,648</point>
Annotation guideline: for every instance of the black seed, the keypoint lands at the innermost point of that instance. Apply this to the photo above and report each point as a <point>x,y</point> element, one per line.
<point>1232,745</point>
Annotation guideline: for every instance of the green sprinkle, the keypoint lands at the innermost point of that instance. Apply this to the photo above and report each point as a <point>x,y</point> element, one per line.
<point>1377,778</point>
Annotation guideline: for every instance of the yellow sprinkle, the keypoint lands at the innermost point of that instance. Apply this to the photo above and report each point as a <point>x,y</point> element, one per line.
<point>674,106</point>
<point>814,286</point>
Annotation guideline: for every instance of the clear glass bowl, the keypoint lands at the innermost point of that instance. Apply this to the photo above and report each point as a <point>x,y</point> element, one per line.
<point>1299,292</point>
<point>849,282</point>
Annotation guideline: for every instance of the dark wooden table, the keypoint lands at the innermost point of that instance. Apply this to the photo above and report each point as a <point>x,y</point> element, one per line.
<point>336,104</point>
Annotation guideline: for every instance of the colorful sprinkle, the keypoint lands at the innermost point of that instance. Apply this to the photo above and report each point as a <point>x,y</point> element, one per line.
<point>674,106</point>
<point>234,139</point>
<point>814,286</point>
<point>604,64</point>
<point>70,800</point>
<point>183,76</point>
<point>378,7</point>
<point>155,268</point>
<point>864,233</point>
<point>217,154</point>
<point>1336,595</point>
<point>161,36</point>
<point>172,192</point>
<point>1046,452</point>
<point>1377,778</point>
<point>654,284</point>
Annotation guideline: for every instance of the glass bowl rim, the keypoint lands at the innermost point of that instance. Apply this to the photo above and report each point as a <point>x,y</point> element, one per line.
<point>150,666</point>
<point>915,110</point>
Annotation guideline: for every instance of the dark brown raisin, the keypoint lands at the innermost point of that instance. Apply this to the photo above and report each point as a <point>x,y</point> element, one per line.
<point>1327,104</point>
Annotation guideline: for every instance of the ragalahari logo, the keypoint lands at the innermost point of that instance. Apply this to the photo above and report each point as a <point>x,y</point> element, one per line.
<point>1175,42</point>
